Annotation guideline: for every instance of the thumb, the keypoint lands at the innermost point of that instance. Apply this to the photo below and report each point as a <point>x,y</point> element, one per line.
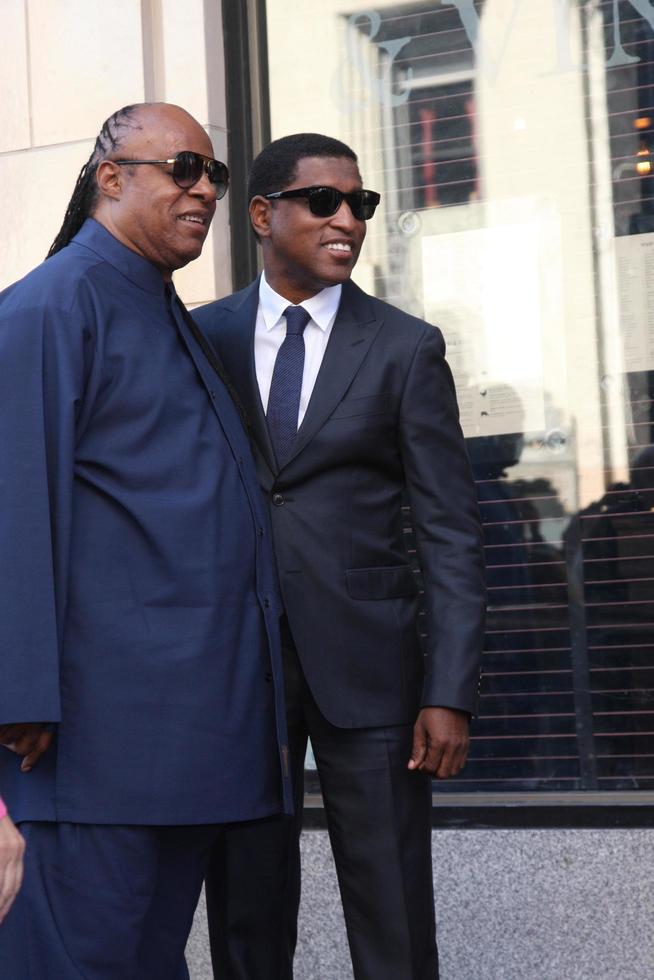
<point>419,747</point>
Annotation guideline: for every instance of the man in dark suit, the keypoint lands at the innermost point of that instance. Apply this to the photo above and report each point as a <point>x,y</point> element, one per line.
<point>374,400</point>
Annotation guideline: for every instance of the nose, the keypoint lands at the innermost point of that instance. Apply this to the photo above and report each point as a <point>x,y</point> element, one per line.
<point>203,188</point>
<point>344,219</point>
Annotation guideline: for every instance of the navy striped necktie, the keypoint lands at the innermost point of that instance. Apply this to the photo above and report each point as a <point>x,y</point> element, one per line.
<point>286,385</point>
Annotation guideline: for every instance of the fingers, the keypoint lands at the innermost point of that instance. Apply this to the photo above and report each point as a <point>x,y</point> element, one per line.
<point>440,742</point>
<point>15,733</point>
<point>436,756</point>
<point>38,748</point>
<point>12,848</point>
<point>19,737</point>
<point>23,744</point>
<point>10,882</point>
<point>10,732</point>
<point>451,761</point>
<point>28,739</point>
<point>444,759</point>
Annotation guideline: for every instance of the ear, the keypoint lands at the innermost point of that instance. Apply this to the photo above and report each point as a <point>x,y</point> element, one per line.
<point>109,178</point>
<point>260,215</point>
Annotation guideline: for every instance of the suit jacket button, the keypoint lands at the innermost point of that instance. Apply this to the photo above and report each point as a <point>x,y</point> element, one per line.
<point>278,499</point>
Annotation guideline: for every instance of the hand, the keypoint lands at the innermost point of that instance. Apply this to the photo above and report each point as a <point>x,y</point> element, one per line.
<point>26,738</point>
<point>441,741</point>
<point>12,848</point>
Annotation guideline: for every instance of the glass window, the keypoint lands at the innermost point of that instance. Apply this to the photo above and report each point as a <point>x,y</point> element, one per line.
<point>513,146</point>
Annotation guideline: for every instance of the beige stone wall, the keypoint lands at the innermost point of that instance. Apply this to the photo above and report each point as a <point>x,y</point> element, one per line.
<point>68,64</point>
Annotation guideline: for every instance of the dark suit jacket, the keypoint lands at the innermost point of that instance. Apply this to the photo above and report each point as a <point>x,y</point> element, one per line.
<point>382,418</point>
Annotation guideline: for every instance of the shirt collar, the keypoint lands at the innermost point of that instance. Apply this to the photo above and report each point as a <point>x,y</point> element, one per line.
<point>140,271</point>
<point>322,307</point>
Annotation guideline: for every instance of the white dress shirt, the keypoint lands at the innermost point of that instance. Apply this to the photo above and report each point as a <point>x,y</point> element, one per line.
<point>270,331</point>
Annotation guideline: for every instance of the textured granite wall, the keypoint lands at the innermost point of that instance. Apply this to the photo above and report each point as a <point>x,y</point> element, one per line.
<point>511,905</point>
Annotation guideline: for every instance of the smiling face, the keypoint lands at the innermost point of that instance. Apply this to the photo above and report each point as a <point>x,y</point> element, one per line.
<point>142,206</point>
<point>303,253</point>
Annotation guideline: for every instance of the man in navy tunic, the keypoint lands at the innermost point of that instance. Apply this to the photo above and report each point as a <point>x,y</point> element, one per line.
<point>140,693</point>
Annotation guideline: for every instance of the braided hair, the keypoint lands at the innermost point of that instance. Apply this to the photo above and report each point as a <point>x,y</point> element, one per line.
<point>85,194</point>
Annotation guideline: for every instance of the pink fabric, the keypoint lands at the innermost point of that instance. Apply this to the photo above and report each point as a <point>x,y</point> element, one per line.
<point>3,809</point>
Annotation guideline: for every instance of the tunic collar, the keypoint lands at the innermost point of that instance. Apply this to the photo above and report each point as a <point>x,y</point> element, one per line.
<point>140,271</point>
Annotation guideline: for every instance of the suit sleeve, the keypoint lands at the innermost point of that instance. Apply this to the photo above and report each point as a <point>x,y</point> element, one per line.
<point>447,528</point>
<point>41,369</point>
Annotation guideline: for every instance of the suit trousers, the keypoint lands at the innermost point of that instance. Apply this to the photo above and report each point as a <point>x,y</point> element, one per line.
<point>379,821</point>
<point>105,902</point>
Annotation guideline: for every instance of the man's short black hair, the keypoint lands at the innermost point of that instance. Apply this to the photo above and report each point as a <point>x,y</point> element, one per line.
<point>275,167</point>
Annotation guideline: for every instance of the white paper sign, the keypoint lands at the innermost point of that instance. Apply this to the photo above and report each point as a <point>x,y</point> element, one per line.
<point>482,288</point>
<point>635,271</point>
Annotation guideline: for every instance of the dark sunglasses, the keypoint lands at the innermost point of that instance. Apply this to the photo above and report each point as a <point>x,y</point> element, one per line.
<point>188,168</point>
<point>325,201</point>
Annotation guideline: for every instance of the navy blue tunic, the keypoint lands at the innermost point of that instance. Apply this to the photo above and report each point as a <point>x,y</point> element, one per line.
<point>138,607</point>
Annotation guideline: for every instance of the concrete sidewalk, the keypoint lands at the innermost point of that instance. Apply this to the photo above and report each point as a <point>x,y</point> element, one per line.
<point>511,905</point>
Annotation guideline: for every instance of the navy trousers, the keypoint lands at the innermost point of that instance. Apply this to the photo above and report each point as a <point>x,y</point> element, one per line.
<point>379,821</point>
<point>105,902</point>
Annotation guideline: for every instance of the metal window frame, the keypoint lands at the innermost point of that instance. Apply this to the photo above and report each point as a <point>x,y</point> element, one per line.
<point>248,119</point>
<point>524,811</point>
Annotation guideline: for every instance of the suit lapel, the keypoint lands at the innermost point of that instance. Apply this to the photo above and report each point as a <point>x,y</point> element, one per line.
<point>237,350</point>
<point>353,333</point>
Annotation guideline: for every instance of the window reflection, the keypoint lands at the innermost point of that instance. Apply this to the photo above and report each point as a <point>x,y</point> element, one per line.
<point>513,154</point>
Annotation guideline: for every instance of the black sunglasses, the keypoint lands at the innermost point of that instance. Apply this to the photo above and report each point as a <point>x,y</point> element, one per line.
<point>325,201</point>
<point>188,168</point>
